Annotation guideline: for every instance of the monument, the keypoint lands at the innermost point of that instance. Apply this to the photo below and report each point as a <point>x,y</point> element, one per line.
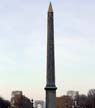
<point>50,83</point>
<point>39,102</point>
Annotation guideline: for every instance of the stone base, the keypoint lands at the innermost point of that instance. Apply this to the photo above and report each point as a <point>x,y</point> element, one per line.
<point>51,99</point>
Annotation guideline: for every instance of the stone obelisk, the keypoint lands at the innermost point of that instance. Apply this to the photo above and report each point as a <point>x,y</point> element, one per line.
<point>50,86</point>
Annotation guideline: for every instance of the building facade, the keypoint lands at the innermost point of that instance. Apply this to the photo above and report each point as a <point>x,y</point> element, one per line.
<point>18,100</point>
<point>64,102</point>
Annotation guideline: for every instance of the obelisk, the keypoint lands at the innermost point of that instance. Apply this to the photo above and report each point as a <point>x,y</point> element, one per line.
<point>50,86</point>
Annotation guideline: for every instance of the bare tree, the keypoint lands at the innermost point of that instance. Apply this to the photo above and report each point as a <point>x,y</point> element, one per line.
<point>91,97</point>
<point>4,103</point>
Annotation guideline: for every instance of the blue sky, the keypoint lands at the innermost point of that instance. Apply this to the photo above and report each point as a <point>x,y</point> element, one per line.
<point>23,34</point>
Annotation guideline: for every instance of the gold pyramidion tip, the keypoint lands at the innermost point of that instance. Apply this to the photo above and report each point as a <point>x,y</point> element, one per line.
<point>50,9</point>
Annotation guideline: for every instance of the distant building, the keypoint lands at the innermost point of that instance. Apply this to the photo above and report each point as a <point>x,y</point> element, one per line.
<point>72,94</point>
<point>15,93</point>
<point>75,97</point>
<point>18,100</point>
<point>64,102</point>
